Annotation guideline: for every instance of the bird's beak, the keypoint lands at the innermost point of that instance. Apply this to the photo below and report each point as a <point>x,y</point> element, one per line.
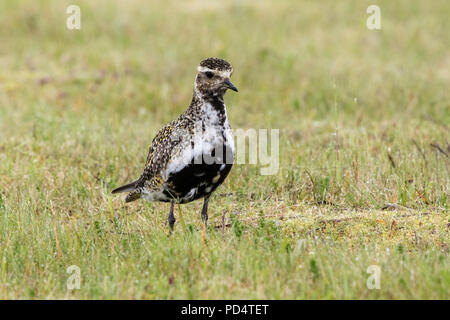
<point>230,85</point>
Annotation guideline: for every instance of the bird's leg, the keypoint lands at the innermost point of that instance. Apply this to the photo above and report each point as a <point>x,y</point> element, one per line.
<point>171,218</point>
<point>205,211</point>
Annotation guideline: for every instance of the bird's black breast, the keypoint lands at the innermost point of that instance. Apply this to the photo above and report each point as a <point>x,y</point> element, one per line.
<point>199,178</point>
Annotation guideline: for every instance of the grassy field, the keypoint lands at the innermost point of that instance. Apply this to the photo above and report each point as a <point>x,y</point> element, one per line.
<point>364,122</point>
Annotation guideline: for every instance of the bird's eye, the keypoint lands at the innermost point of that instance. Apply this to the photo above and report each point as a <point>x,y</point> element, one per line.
<point>209,74</point>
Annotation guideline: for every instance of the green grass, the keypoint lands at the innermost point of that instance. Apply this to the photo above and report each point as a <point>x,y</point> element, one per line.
<point>359,182</point>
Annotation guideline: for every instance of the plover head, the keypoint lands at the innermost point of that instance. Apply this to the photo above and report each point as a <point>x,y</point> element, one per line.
<point>213,78</point>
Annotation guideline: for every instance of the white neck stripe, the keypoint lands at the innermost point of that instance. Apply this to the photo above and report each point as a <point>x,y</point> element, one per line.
<point>226,74</point>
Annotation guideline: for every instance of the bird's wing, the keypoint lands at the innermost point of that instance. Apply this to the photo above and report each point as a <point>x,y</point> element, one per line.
<point>160,153</point>
<point>157,158</point>
<point>165,144</point>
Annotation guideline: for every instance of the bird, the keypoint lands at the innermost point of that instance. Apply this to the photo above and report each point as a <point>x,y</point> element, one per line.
<point>192,155</point>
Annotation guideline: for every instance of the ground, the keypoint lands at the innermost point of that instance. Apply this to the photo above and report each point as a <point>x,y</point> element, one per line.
<point>362,186</point>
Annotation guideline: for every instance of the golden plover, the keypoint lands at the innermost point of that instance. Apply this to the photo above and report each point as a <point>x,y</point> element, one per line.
<point>192,155</point>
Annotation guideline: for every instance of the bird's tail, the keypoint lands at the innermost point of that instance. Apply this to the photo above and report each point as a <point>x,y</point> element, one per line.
<point>128,187</point>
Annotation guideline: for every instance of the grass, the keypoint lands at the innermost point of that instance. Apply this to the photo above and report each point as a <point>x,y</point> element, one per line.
<point>364,155</point>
